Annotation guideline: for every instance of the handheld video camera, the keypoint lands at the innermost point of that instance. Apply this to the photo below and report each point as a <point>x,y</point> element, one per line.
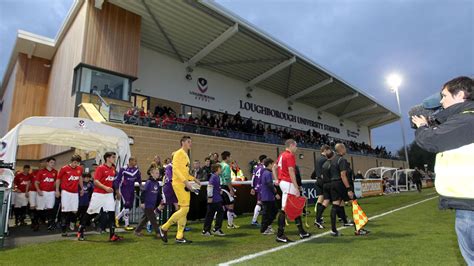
<point>429,108</point>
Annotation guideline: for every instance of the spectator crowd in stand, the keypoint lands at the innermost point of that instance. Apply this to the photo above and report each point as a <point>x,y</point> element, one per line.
<point>235,126</point>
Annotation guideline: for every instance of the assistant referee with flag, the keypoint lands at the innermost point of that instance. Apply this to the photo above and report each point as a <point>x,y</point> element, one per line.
<point>341,190</point>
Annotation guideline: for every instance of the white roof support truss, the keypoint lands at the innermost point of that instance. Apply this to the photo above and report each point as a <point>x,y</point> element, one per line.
<point>237,62</point>
<point>310,89</point>
<point>271,71</point>
<point>337,102</point>
<point>359,111</point>
<point>162,30</point>
<point>213,45</point>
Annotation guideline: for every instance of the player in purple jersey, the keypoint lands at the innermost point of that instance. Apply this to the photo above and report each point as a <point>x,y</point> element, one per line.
<point>125,184</point>
<point>150,198</point>
<point>88,187</point>
<point>214,204</point>
<point>256,187</point>
<point>169,197</point>
<point>268,195</point>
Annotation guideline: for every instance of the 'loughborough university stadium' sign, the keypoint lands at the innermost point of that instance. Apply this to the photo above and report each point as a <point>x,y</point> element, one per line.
<point>256,108</point>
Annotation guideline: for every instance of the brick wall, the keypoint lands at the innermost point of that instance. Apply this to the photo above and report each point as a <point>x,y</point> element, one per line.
<point>151,141</point>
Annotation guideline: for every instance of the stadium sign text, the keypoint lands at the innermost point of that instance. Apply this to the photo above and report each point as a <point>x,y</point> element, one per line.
<point>352,134</point>
<point>364,188</point>
<point>286,116</point>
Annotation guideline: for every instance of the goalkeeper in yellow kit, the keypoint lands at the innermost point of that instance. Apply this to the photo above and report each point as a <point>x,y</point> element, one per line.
<point>182,185</point>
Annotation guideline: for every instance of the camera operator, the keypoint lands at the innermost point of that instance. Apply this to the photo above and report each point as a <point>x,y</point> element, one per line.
<point>453,141</point>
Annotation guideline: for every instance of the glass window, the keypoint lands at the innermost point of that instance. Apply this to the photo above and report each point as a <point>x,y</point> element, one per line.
<point>196,112</point>
<point>187,111</point>
<point>105,84</point>
<point>76,80</point>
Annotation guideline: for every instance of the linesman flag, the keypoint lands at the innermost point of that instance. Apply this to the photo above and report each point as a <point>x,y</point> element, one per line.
<point>294,206</point>
<point>360,219</point>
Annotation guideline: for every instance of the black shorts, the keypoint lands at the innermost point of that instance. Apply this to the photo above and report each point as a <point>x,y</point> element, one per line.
<point>338,191</point>
<point>319,187</point>
<point>227,199</point>
<point>327,191</point>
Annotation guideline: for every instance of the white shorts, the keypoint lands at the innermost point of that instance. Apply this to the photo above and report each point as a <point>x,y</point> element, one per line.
<point>69,201</point>
<point>99,200</point>
<point>46,201</point>
<point>32,199</point>
<point>286,188</point>
<point>20,200</point>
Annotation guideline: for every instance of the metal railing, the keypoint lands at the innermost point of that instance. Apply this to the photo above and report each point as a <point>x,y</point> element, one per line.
<point>101,105</point>
<point>110,111</point>
<point>270,138</point>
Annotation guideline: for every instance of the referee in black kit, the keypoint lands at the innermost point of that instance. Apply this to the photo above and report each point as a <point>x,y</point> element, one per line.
<point>323,199</point>
<point>341,190</point>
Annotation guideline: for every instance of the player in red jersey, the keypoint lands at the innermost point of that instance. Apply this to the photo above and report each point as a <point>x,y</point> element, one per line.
<point>45,186</point>
<point>32,196</point>
<point>103,197</point>
<point>284,172</point>
<point>69,178</point>
<point>21,183</point>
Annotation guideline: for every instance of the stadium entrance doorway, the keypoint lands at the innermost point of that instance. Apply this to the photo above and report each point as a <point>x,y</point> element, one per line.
<point>141,101</point>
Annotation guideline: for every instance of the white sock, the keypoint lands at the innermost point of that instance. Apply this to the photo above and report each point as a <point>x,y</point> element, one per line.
<point>120,215</point>
<point>256,212</point>
<point>230,218</point>
<point>126,217</point>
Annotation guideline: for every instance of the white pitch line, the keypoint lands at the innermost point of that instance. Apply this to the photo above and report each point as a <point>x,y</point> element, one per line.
<point>265,252</point>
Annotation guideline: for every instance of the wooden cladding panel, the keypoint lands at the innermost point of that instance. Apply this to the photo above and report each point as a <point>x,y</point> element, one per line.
<point>31,88</point>
<point>29,98</point>
<point>112,39</point>
<point>68,56</point>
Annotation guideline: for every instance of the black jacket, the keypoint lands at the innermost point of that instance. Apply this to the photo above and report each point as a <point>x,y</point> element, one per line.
<point>298,176</point>
<point>319,166</point>
<point>416,176</point>
<point>455,129</point>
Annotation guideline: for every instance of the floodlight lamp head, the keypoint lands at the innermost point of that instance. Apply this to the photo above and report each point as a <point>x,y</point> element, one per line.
<point>394,81</point>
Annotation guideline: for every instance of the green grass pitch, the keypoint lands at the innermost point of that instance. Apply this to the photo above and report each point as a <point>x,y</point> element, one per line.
<point>419,235</point>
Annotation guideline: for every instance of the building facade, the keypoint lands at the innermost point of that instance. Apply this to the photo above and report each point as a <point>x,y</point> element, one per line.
<point>193,57</point>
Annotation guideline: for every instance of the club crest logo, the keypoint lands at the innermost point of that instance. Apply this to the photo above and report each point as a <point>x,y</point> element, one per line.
<point>81,125</point>
<point>202,85</point>
<point>200,93</point>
